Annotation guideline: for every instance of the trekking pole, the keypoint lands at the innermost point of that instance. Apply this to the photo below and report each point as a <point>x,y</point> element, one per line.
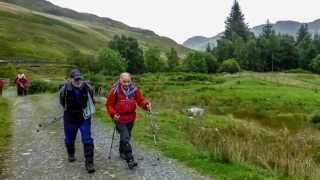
<point>52,121</point>
<point>153,127</point>
<point>153,130</point>
<point>114,130</point>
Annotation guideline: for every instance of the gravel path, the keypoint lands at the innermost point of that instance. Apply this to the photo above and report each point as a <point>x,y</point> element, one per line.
<point>42,155</point>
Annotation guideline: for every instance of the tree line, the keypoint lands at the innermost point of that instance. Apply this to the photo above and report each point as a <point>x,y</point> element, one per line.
<point>124,53</point>
<point>268,51</point>
<point>238,49</point>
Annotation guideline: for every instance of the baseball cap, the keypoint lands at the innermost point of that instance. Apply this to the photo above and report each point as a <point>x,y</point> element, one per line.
<point>75,74</point>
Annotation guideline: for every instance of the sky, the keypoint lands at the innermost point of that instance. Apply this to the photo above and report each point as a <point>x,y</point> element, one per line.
<point>182,19</point>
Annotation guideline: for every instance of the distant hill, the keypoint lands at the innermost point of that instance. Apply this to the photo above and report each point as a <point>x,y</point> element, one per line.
<point>283,27</point>
<point>38,29</point>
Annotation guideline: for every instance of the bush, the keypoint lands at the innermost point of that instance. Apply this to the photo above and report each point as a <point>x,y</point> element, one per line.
<point>42,87</point>
<point>212,63</point>
<point>230,66</point>
<point>315,64</point>
<point>315,117</point>
<point>196,62</point>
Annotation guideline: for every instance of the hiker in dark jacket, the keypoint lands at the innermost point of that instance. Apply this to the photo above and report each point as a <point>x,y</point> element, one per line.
<point>74,96</point>
<point>121,106</point>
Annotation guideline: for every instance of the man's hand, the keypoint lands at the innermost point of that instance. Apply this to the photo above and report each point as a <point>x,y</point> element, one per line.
<point>148,105</point>
<point>116,117</point>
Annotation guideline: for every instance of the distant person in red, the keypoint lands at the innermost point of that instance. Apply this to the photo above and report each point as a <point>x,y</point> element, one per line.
<point>1,86</point>
<point>22,85</point>
<point>18,84</point>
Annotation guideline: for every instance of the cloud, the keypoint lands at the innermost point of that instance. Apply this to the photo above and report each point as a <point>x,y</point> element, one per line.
<point>181,19</point>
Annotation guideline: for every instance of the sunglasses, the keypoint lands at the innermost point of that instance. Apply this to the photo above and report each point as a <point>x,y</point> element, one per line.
<point>78,79</point>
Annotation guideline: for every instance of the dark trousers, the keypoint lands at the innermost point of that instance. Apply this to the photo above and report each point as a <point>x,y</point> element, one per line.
<point>21,91</point>
<point>1,89</point>
<point>71,129</point>
<point>125,134</point>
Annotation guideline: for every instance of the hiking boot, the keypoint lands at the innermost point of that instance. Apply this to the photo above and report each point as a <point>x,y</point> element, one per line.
<point>71,151</point>
<point>88,154</point>
<point>90,168</point>
<point>132,163</point>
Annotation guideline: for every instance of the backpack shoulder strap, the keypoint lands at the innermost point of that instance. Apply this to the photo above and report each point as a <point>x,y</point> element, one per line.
<point>116,94</point>
<point>64,93</point>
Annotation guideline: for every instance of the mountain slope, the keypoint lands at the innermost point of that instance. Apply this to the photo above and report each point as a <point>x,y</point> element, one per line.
<point>282,27</point>
<point>37,29</point>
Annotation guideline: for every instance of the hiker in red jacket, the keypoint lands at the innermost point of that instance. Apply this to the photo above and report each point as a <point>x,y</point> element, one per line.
<point>1,86</point>
<point>22,84</point>
<point>18,85</point>
<point>121,106</point>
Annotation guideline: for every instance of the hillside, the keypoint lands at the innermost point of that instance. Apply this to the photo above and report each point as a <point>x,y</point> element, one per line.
<point>37,29</point>
<point>282,27</point>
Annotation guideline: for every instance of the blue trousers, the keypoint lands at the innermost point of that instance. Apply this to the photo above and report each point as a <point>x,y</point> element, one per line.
<point>71,129</point>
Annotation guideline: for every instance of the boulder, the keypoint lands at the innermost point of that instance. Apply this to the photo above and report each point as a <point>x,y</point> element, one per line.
<point>195,112</point>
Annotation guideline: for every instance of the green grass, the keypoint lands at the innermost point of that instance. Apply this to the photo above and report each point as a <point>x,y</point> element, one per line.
<point>5,130</point>
<point>258,123</point>
<point>31,36</point>
<point>27,34</point>
<point>52,72</point>
<point>174,143</point>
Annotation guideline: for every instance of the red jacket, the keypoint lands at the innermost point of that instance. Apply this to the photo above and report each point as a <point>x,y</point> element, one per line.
<point>117,103</point>
<point>23,83</point>
<point>1,84</point>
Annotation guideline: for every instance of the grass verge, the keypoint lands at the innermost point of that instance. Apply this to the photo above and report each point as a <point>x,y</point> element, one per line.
<point>5,132</point>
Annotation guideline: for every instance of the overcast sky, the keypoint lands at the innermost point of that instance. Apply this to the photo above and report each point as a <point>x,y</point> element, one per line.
<point>182,19</point>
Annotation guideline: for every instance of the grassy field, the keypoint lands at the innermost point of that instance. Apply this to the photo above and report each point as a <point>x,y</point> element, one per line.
<point>256,126</point>
<point>52,72</point>
<point>5,131</point>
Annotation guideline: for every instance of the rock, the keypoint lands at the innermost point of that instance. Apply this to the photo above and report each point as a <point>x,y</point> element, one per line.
<point>195,111</point>
<point>26,154</point>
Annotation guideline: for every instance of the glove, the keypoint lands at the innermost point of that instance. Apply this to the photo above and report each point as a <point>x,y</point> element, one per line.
<point>148,106</point>
<point>116,117</point>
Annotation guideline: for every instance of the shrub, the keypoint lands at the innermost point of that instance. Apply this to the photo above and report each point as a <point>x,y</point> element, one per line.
<point>315,64</point>
<point>315,117</point>
<point>196,62</point>
<point>212,63</point>
<point>230,66</point>
<point>42,87</point>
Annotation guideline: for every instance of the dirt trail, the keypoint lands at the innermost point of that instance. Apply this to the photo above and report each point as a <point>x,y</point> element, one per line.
<point>41,155</point>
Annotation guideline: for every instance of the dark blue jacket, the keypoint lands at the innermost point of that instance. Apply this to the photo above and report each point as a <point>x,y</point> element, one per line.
<point>74,102</point>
